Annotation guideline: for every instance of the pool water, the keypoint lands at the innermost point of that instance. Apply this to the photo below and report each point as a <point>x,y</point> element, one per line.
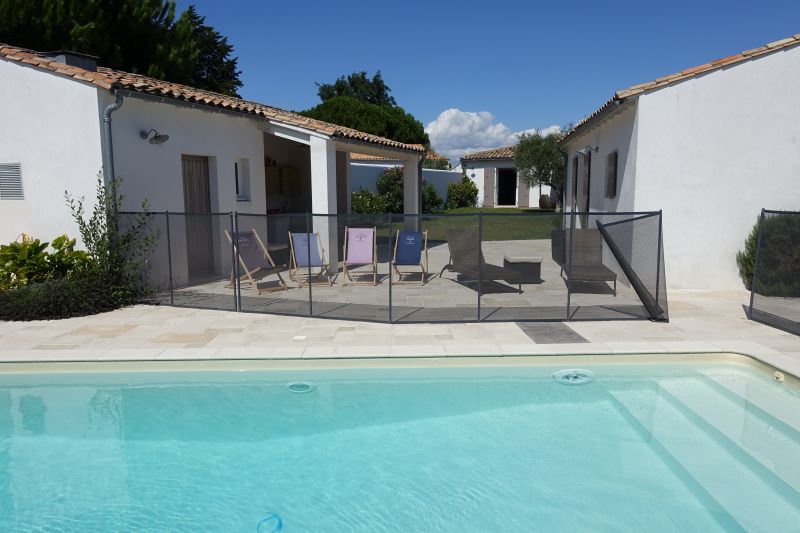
<point>661,447</point>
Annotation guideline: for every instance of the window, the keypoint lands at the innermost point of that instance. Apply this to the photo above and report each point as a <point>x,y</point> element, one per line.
<point>241,176</point>
<point>574,181</point>
<point>11,181</point>
<point>611,175</point>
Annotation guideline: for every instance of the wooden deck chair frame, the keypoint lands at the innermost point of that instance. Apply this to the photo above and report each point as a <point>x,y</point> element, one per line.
<point>251,277</point>
<point>304,277</point>
<point>423,265</point>
<point>348,275</point>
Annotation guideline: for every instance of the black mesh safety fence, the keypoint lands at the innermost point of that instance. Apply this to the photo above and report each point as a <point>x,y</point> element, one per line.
<point>775,287</point>
<point>530,265</point>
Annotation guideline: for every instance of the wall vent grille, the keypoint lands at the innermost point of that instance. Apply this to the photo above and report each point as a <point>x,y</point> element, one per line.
<point>11,181</point>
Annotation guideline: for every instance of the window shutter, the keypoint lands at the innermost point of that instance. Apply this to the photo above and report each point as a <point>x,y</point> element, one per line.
<point>11,181</point>
<point>611,175</point>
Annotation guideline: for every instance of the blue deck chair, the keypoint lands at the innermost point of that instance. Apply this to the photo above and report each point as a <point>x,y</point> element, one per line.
<point>410,250</point>
<point>306,254</point>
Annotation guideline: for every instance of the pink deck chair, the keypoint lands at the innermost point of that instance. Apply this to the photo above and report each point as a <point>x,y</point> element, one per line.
<point>360,249</point>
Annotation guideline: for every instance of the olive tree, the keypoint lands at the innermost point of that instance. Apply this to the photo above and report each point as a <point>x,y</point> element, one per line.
<point>540,161</point>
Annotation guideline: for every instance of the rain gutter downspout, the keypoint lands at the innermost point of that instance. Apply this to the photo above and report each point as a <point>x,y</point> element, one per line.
<point>108,148</point>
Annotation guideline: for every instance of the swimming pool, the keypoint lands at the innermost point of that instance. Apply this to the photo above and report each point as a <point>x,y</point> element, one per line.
<point>658,444</point>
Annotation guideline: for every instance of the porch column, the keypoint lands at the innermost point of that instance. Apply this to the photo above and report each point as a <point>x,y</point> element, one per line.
<point>323,196</point>
<point>412,199</point>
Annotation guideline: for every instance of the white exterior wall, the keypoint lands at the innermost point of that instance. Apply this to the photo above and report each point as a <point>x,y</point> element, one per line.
<point>52,126</point>
<point>713,151</point>
<point>618,134</point>
<point>155,172</point>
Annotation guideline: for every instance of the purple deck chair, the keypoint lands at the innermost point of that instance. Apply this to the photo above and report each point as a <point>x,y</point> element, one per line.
<point>410,250</point>
<point>360,248</point>
<point>306,253</point>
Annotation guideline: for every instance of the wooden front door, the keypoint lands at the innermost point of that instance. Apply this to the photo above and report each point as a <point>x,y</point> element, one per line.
<point>197,206</point>
<point>488,187</point>
<point>524,194</point>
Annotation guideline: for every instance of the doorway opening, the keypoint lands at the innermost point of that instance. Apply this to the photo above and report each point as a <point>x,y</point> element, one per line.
<point>506,186</point>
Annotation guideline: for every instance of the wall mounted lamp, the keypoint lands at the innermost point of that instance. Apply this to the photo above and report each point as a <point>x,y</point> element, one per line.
<point>157,138</point>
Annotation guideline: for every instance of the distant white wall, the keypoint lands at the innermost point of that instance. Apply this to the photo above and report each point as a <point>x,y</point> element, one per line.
<point>52,126</point>
<point>365,174</point>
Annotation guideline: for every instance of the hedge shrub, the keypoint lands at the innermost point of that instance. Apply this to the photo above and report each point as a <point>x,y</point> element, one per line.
<point>59,298</point>
<point>779,258</point>
<point>462,194</point>
<point>389,198</point>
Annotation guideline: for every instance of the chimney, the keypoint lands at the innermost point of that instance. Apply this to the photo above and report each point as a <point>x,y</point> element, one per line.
<point>74,59</point>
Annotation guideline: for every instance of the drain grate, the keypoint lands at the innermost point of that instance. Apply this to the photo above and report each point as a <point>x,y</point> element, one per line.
<point>574,376</point>
<point>300,387</point>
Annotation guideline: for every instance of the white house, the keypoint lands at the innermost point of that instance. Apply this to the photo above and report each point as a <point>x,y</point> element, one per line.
<point>495,174</point>
<point>183,149</point>
<point>365,170</point>
<point>710,145</point>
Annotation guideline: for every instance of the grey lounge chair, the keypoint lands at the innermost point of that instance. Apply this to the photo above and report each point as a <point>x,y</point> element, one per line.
<point>585,261</point>
<point>466,257</point>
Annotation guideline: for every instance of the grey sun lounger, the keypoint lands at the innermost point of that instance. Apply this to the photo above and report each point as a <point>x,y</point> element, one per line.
<point>466,258</point>
<point>585,261</point>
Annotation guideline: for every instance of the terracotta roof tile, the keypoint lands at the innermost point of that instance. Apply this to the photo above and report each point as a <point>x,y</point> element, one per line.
<point>504,152</point>
<point>430,154</point>
<point>114,79</point>
<point>669,79</point>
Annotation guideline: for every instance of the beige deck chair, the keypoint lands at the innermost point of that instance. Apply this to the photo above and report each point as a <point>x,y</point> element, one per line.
<point>306,253</point>
<point>255,262</point>
<point>360,249</point>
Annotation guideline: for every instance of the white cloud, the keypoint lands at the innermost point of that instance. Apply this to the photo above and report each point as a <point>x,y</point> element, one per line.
<point>455,132</point>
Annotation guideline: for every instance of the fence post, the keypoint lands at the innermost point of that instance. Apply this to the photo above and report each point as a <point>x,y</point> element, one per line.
<point>390,267</point>
<point>235,259</point>
<point>480,261</point>
<point>169,261</point>
<point>569,263</point>
<point>309,231</point>
<point>755,265</point>
<point>658,254</point>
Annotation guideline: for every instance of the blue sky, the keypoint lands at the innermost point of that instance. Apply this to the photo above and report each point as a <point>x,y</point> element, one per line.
<point>499,67</point>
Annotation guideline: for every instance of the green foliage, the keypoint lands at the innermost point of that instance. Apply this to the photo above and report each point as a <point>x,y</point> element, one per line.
<point>69,282</point>
<point>389,198</point>
<point>358,85</point>
<point>27,262</point>
<point>746,259</point>
<point>390,188</point>
<point>436,164</point>
<point>119,251</point>
<point>390,122</point>
<point>540,161</point>
<point>778,259</point>
<point>56,298</point>
<point>431,200</point>
<point>463,194</point>
<point>366,202</point>
<point>141,36</point>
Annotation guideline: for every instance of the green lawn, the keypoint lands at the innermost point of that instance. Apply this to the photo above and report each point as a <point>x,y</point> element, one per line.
<point>499,224</point>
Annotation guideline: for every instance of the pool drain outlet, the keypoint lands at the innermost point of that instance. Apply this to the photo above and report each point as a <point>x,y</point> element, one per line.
<point>300,387</point>
<point>574,376</point>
